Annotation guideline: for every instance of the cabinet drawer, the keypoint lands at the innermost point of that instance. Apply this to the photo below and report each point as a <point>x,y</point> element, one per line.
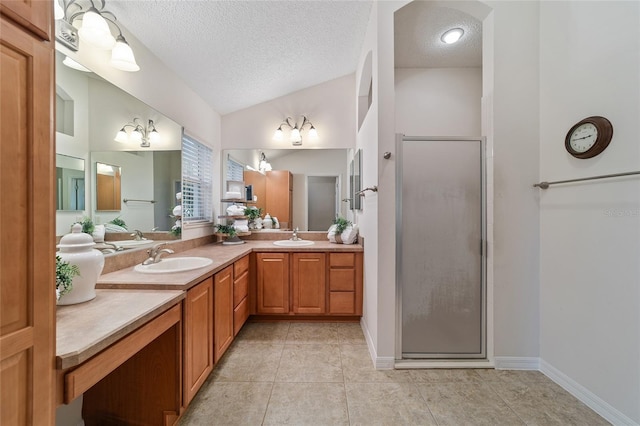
<point>342,280</point>
<point>342,259</point>
<point>342,302</point>
<point>241,266</point>
<point>240,315</point>
<point>240,288</point>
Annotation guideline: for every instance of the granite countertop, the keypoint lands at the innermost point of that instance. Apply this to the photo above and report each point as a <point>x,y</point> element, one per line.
<point>85,329</point>
<point>222,255</point>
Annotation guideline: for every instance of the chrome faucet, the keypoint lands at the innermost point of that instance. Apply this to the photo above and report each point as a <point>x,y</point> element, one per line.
<point>155,253</point>
<point>137,235</point>
<point>112,248</point>
<point>295,237</point>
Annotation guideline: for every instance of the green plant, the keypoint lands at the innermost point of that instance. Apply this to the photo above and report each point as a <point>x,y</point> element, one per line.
<point>64,276</point>
<point>176,231</point>
<point>119,222</point>
<point>227,229</point>
<point>87,225</point>
<point>341,224</point>
<point>252,213</point>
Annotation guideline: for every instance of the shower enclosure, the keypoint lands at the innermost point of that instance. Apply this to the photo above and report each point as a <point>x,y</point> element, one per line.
<point>441,248</point>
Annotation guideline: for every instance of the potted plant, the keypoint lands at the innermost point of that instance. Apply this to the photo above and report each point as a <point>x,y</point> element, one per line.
<point>64,276</point>
<point>119,222</point>
<point>252,213</point>
<point>342,231</point>
<point>231,234</point>
<point>87,225</point>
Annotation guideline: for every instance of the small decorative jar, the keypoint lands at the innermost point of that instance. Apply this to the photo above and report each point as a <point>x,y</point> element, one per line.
<point>77,249</point>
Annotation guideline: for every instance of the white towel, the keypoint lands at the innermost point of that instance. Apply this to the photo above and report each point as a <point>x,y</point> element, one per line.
<point>235,210</point>
<point>231,195</point>
<point>348,236</point>
<point>112,227</point>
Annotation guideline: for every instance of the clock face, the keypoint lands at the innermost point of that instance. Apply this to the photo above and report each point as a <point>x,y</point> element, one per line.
<point>583,137</point>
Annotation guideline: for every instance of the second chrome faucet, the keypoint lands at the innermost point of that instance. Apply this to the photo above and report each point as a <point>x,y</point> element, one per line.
<point>155,253</point>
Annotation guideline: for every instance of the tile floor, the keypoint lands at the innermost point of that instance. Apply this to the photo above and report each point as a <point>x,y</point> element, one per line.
<point>322,374</point>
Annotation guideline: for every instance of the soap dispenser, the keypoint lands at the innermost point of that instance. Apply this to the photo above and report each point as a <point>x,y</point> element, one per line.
<point>77,249</point>
<point>267,223</point>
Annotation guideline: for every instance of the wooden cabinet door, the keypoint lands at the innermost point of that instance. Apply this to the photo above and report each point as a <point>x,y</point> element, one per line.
<point>272,283</point>
<point>240,293</point>
<point>309,283</point>
<point>27,228</point>
<point>198,337</point>
<point>35,16</point>
<point>223,311</point>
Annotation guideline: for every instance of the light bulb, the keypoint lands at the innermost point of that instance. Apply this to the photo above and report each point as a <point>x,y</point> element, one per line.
<point>295,135</point>
<point>154,136</point>
<point>136,136</point>
<point>95,30</point>
<point>313,133</point>
<point>277,136</point>
<point>122,56</point>
<point>121,136</point>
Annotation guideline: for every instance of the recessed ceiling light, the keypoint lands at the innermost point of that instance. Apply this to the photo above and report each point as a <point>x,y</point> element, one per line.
<point>452,35</point>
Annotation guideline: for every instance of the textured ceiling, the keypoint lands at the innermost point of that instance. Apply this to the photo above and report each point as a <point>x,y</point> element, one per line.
<point>418,28</point>
<point>238,53</point>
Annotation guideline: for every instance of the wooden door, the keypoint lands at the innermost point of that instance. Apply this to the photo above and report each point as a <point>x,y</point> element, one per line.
<point>223,311</point>
<point>280,195</point>
<point>258,184</point>
<point>272,283</point>
<point>198,337</point>
<point>309,283</point>
<point>27,228</point>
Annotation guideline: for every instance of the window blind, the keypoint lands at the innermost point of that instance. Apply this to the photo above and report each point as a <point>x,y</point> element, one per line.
<point>197,181</point>
<point>235,169</point>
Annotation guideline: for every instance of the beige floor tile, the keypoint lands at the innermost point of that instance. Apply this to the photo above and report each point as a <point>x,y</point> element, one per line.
<point>437,375</point>
<point>351,333</point>
<point>357,366</point>
<point>307,404</point>
<point>511,376</point>
<point>465,403</point>
<point>264,332</point>
<point>304,332</point>
<point>228,404</point>
<point>310,363</point>
<point>545,403</point>
<point>387,404</point>
<point>249,362</point>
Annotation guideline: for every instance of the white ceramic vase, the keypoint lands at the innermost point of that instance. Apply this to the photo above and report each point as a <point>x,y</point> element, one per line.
<point>77,249</point>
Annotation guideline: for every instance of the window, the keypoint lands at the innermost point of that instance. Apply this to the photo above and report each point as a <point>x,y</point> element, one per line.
<point>235,169</point>
<point>197,181</point>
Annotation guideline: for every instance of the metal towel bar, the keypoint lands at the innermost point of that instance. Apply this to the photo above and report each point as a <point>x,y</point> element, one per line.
<point>126,200</point>
<point>545,185</point>
<point>373,188</point>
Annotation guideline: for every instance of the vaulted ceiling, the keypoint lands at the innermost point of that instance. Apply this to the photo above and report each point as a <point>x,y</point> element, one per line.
<point>237,53</point>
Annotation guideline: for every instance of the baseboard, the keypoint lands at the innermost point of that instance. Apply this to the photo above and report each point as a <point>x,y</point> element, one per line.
<point>591,400</point>
<point>379,363</point>
<point>516,363</point>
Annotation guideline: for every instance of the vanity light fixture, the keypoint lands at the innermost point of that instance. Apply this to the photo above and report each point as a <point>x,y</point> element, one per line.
<point>295,136</point>
<point>452,36</point>
<point>94,31</point>
<point>140,134</point>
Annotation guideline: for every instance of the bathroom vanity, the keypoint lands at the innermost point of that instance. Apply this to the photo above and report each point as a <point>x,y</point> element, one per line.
<point>111,349</point>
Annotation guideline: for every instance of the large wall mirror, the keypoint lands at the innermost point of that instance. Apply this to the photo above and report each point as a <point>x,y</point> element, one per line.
<point>69,183</point>
<point>356,181</point>
<point>319,191</point>
<point>96,173</point>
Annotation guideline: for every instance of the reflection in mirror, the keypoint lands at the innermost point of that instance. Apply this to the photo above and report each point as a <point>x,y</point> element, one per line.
<point>69,183</point>
<point>320,178</point>
<point>90,111</point>
<point>107,187</point>
<point>356,181</point>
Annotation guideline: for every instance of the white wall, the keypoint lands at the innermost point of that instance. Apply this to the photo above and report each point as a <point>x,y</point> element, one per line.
<point>590,232</point>
<point>438,101</point>
<point>329,106</point>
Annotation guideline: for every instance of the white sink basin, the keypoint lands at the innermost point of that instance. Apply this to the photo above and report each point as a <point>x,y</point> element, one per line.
<point>174,264</point>
<point>128,244</point>
<point>291,243</point>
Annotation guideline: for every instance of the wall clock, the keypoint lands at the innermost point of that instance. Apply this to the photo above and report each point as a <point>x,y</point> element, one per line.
<point>589,137</point>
